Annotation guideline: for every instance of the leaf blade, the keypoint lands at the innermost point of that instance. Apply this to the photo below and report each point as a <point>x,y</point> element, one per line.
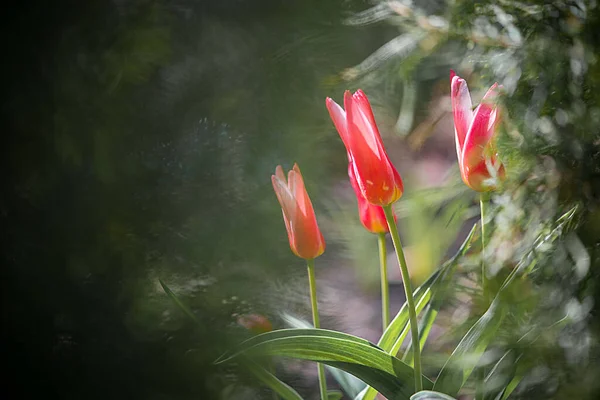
<point>430,395</point>
<point>366,361</point>
<point>282,388</point>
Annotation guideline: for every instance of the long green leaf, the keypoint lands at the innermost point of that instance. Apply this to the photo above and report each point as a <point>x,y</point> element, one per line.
<point>349,383</point>
<point>438,297</point>
<point>390,376</point>
<point>334,395</point>
<point>512,385</point>
<point>271,380</point>
<point>395,328</point>
<point>187,311</point>
<point>425,325</point>
<point>394,335</point>
<point>468,352</point>
<point>398,324</point>
<point>285,334</point>
<point>419,307</point>
<point>430,395</point>
<point>500,376</point>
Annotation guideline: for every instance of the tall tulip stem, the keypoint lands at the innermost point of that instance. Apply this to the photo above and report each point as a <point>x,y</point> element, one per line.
<point>483,202</point>
<point>385,290</point>
<point>310,264</point>
<point>412,314</point>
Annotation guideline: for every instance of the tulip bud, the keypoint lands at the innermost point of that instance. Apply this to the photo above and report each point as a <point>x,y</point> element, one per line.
<point>306,240</point>
<point>377,179</point>
<point>480,167</point>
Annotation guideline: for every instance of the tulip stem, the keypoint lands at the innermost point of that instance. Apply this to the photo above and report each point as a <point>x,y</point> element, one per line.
<point>483,202</point>
<point>310,264</point>
<point>385,290</point>
<point>412,314</point>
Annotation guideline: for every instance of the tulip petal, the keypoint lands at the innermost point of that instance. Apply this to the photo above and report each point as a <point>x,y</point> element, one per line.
<point>280,174</point>
<point>287,204</point>
<point>482,129</point>
<point>352,176</point>
<point>360,120</point>
<point>296,185</point>
<point>365,156</point>
<point>462,108</point>
<point>338,116</point>
<point>284,196</point>
<point>475,175</point>
<point>374,175</point>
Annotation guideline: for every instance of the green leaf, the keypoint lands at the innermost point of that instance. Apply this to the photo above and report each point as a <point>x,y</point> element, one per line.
<point>430,395</point>
<point>467,353</point>
<point>418,308</point>
<point>286,334</point>
<point>178,302</point>
<point>398,324</point>
<point>512,385</point>
<point>425,325</point>
<point>282,389</point>
<point>349,383</point>
<point>500,376</point>
<point>390,376</point>
<point>334,395</point>
<point>438,296</point>
<point>396,332</point>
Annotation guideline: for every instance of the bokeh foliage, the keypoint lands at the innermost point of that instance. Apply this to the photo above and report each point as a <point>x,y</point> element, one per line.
<point>545,56</point>
<point>142,138</point>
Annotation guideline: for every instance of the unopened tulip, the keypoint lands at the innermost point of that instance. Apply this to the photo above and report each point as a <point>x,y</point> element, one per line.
<point>371,216</point>
<point>377,179</point>
<point>480,167</point>
<point>306,240</point>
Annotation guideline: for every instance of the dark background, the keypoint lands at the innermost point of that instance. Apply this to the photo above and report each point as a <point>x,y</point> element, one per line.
<point>140,140</point>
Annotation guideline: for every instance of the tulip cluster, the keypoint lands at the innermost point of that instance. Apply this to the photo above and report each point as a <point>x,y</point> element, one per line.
<point>377,185</point>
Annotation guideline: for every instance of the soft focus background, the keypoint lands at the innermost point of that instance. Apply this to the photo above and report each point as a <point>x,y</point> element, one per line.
<point>141,137</point>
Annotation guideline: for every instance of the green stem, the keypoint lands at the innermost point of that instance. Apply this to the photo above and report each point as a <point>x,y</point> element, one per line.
<point>385,290</point>
<point>412,314</point>
<point>483,201</point>
<point>315,313</point>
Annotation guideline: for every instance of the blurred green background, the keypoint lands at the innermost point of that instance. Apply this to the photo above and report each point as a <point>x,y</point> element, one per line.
<point>142,137</point>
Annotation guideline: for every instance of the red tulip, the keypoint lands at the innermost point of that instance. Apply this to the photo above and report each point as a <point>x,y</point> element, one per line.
<point>377,179</point>
<point>255,323</point>
<point>306,240</point>
<point>479,165</point>
<point>371,216</point>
